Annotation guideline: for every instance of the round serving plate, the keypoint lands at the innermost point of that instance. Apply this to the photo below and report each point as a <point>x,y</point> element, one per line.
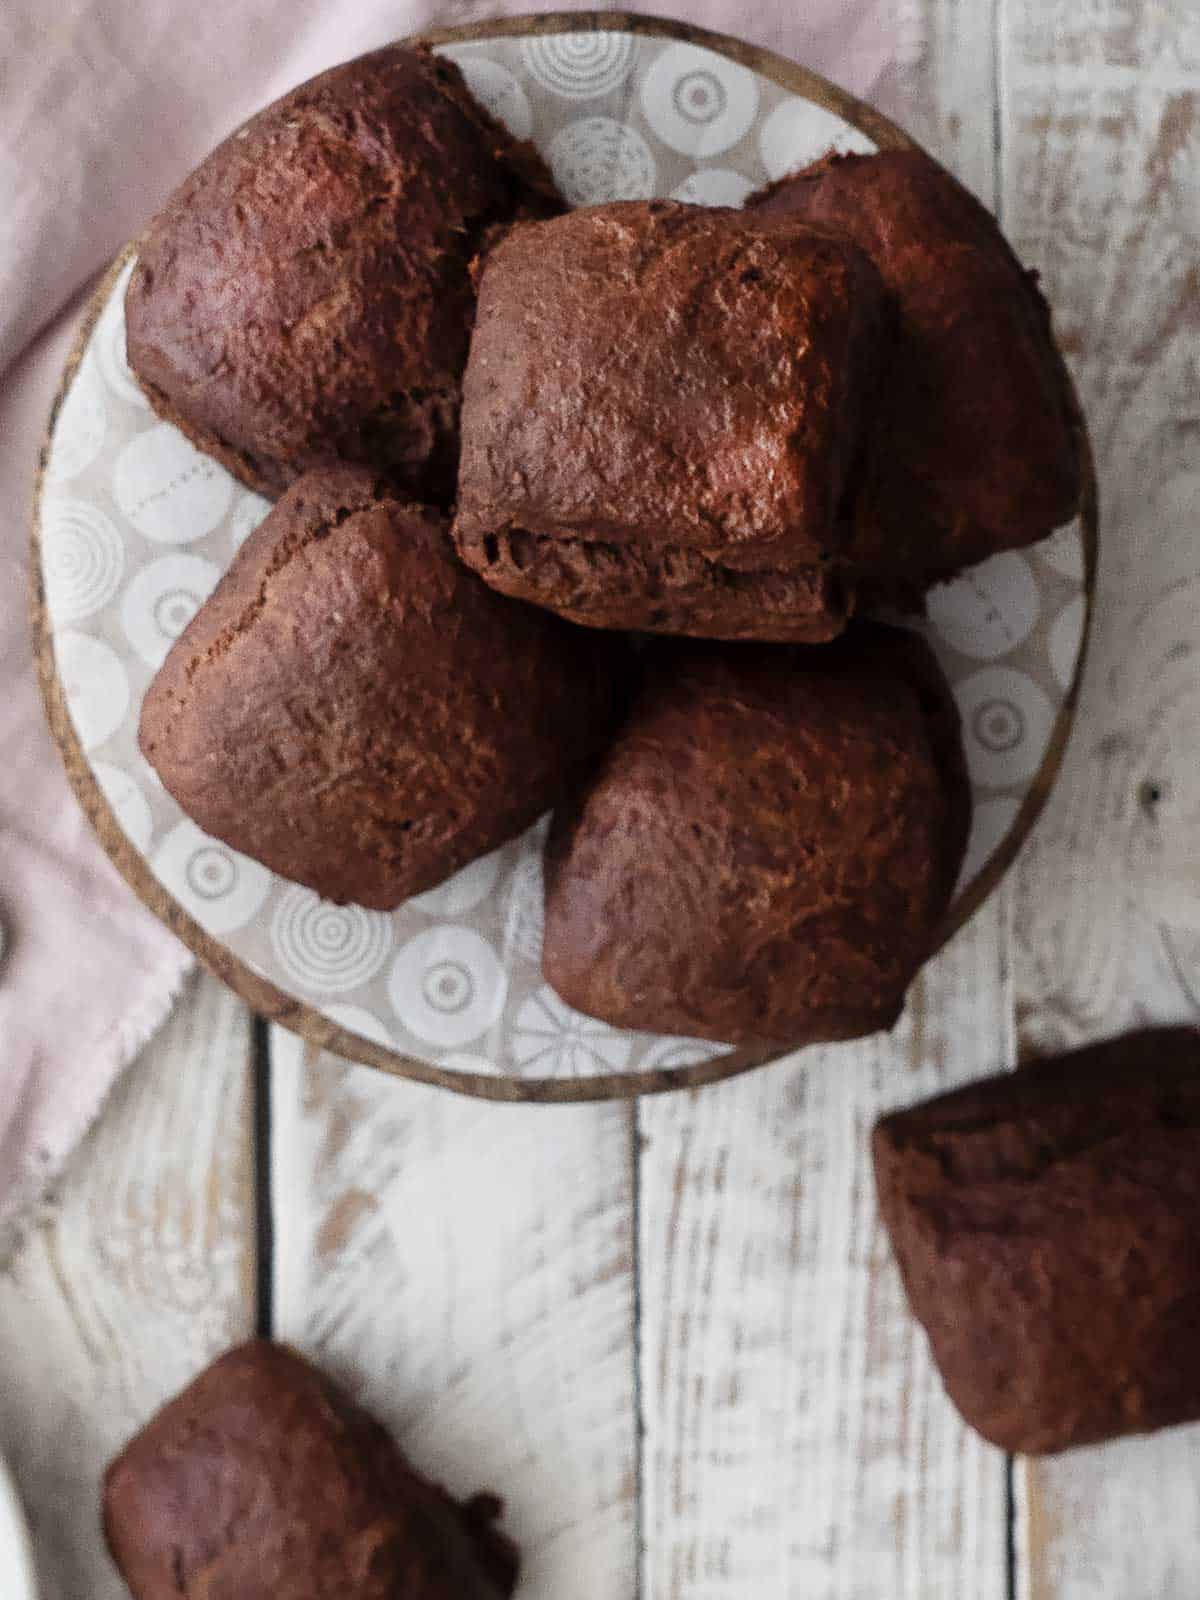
<point>133,528</point>
<point>17,1580</point>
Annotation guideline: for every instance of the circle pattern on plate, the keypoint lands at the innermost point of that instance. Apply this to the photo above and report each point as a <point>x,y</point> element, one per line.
<point>96,686</point>
<point>82,424</point>
<point>714,186</point>
<point>797,132</point>
<point>169,491</point>
<point>596,160</point>
<point>83,559</point>
<point>162,600</point>
<point>447,985</point>
<point>499,91</point>
<point>550,1040</point>
<point>326,947</point>
<point>137,526</point>
<point>221,889</point>
<point>579,66</point>
<point>698,103</point>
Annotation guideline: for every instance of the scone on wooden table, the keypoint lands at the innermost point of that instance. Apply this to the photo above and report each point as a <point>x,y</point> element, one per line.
<point>305,296</point>
<point>662,415</point>
<point>1047,1226</point>
<point>765,853</point>
<point>974,447</point>
<point>263,1481</point>
<point>354,709</point>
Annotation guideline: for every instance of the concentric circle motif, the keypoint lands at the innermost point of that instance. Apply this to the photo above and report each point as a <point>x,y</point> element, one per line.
<point>221,889</point>
<point>991,823</point>
<point>551,1040</point>
<point>325,947</point>
<point>1006,719</point>
<point>83,559</point>
<point>109,344</point>
<point>697,102</point>
<point>249,511</point>
<point>797,132</point>
<point>498,90</point>
<point>447,985</point>
<point>169,491</point>
<point>129,804</point>
<point>714,186</point>
<point>579,66</point>
<point>95,686</point>
<point>988,610</point>
<point>81,426</point>
<point>596,159</point>
<point>161,601</point>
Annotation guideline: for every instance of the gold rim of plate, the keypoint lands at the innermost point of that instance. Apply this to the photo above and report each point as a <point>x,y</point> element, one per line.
<point>305,1020</point>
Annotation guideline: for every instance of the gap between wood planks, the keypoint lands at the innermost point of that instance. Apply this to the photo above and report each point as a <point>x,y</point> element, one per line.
<point>264,1200</point>
<point>1011,1575</point>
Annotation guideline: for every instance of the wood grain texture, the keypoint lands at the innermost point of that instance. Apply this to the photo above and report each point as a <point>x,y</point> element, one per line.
<point>798,1443</point>
<point>467,1270</point>
<point>1102,131</point>
<point>950,88</point>
<point>1103,194</point>
<point>141,1271</point>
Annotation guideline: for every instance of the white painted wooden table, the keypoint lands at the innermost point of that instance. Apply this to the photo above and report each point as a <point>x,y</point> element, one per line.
<point>670,1333</point>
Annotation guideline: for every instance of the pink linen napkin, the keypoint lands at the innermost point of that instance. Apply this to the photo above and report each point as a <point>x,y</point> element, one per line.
<point>106,104</point>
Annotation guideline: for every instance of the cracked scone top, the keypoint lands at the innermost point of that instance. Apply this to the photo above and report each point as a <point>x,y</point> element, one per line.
<point>355,710</point>
<point>305,296</point>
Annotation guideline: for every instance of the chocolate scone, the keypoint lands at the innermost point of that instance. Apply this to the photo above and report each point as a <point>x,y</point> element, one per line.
<point>263,1481</point>
<point>354,709</point>
<point>662,415</point>
<point>305,297</point>
<point>1047,1226</point>
<point>765,852</point>
<point>974,449</point>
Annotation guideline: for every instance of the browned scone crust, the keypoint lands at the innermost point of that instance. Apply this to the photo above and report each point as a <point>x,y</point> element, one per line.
<point>263,1481</point>
<point>766,851</point>
<point>1047,1226</point>
<point>975,449</point>
<point>354,709</point>
<point>305,296</point>
<point>661,416</point>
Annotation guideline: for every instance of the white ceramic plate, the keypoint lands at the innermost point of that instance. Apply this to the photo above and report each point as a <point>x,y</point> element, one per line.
<point>16,1552</point>
<point>136,528</point>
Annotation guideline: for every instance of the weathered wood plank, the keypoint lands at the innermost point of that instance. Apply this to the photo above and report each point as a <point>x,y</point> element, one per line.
<point>1103,195</point>
<point>140,1272</point>
<point>467,1269</point>
<point>949,91</point>
<point>1102,184</point>
<point>798,1444</point>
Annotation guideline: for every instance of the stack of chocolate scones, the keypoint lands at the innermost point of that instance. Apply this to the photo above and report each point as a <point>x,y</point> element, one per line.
<point>506,438</point>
